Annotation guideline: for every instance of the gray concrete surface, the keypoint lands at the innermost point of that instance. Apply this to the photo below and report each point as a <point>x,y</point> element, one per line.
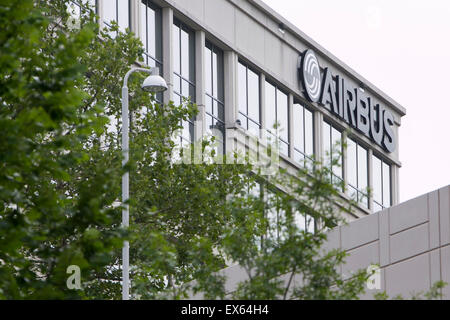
<point>402,240</point>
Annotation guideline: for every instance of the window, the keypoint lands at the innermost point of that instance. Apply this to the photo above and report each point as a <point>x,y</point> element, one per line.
<point>381,184</point>
<point>277,220</point>
<point>303,136</point>
<point>117,10</point>
<point>184,73</point>
<point>150,36</point>
<point>75,7</point>
<point>332,142</point>
<point>214,96</point>
<point>248,95</point>
<point>273,216</point>
<point>304,222</point>
<point>255,192</point>
<point>277,123</point>
<point>357,159</point>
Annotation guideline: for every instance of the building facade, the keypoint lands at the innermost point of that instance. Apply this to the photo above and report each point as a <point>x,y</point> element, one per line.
<point>247,69</point>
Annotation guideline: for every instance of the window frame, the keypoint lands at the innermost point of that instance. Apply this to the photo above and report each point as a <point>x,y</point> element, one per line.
<point>80,7</point>
<point>294,131</point>
<point>270,129</point>
<point>330,134</point>
<point>360,193</point>
<point>117,15</point>
<point>216,97</point>
<point>157,59</point>
<point>310,223</point>
<point>383,163</point>
<point>179,75</point>
<point>246,115</point>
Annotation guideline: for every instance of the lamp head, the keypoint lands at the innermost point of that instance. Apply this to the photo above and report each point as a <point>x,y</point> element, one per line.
<point>154,82</point>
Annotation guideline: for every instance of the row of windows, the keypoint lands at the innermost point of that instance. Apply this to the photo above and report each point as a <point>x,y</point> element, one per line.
<point>357,170</point>
<point>276,114</point>
<point>249,105</point>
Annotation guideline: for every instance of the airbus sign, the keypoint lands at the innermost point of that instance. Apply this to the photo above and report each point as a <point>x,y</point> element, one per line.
<point>351,104</point>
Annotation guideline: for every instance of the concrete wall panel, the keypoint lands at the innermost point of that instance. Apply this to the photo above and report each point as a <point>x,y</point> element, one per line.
<point>408,277</point>
<point>273,53</point>
<point>383,222</point>
<point>409,214</point>
<point>369,293</point>
<point>444,215</point>
<point>251,10</point>
<point>409,243</point>
<point>195,8</point>
<point>408,265</point>
<point>333,240</point>
<point>435,266</point>
<point>445,270</point>
<point>220,16</point>
<point>250,38</point>
<point>289,68</point>
<point>359,232</point>
<point>234,275</point>
<point>433,212</point>
<point>361,258</point>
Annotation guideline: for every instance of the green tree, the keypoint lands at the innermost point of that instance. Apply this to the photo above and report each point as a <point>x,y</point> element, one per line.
<point>60,182</point>
<point>50,217</point>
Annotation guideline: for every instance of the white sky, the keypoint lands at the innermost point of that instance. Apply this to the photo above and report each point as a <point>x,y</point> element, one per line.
<point>403,48</point>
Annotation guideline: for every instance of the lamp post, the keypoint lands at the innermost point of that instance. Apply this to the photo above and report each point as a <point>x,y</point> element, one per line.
<point>153,83</point>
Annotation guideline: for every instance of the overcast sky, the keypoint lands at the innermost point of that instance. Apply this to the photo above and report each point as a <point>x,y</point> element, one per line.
<point>403,48</point>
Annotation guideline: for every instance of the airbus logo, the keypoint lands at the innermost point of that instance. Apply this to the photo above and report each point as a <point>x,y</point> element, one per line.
<point>355,107</point>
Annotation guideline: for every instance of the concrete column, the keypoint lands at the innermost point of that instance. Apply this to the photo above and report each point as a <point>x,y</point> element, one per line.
<point>230,65</point>
<point>318,139</point>
<point>262,100</point>
<point>200,83</point>
<point>167,52</point>
<point>230,88</point>
<point>96,3</point>
<point>318,148</point>
<point>291,125</point>
<point>395,170</point>
<point>100,12</point>
<point>370,178</point>
<point>344,160</point>
<point>134,17</point>
<point>395,184</point>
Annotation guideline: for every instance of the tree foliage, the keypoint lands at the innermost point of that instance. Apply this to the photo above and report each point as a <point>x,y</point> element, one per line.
<point>50,213</point>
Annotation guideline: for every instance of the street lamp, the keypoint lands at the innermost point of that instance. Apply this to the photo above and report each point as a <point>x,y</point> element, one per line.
<point>153,83</point>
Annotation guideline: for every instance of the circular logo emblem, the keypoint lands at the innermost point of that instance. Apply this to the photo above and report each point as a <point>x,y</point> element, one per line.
<point>311,75</point>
